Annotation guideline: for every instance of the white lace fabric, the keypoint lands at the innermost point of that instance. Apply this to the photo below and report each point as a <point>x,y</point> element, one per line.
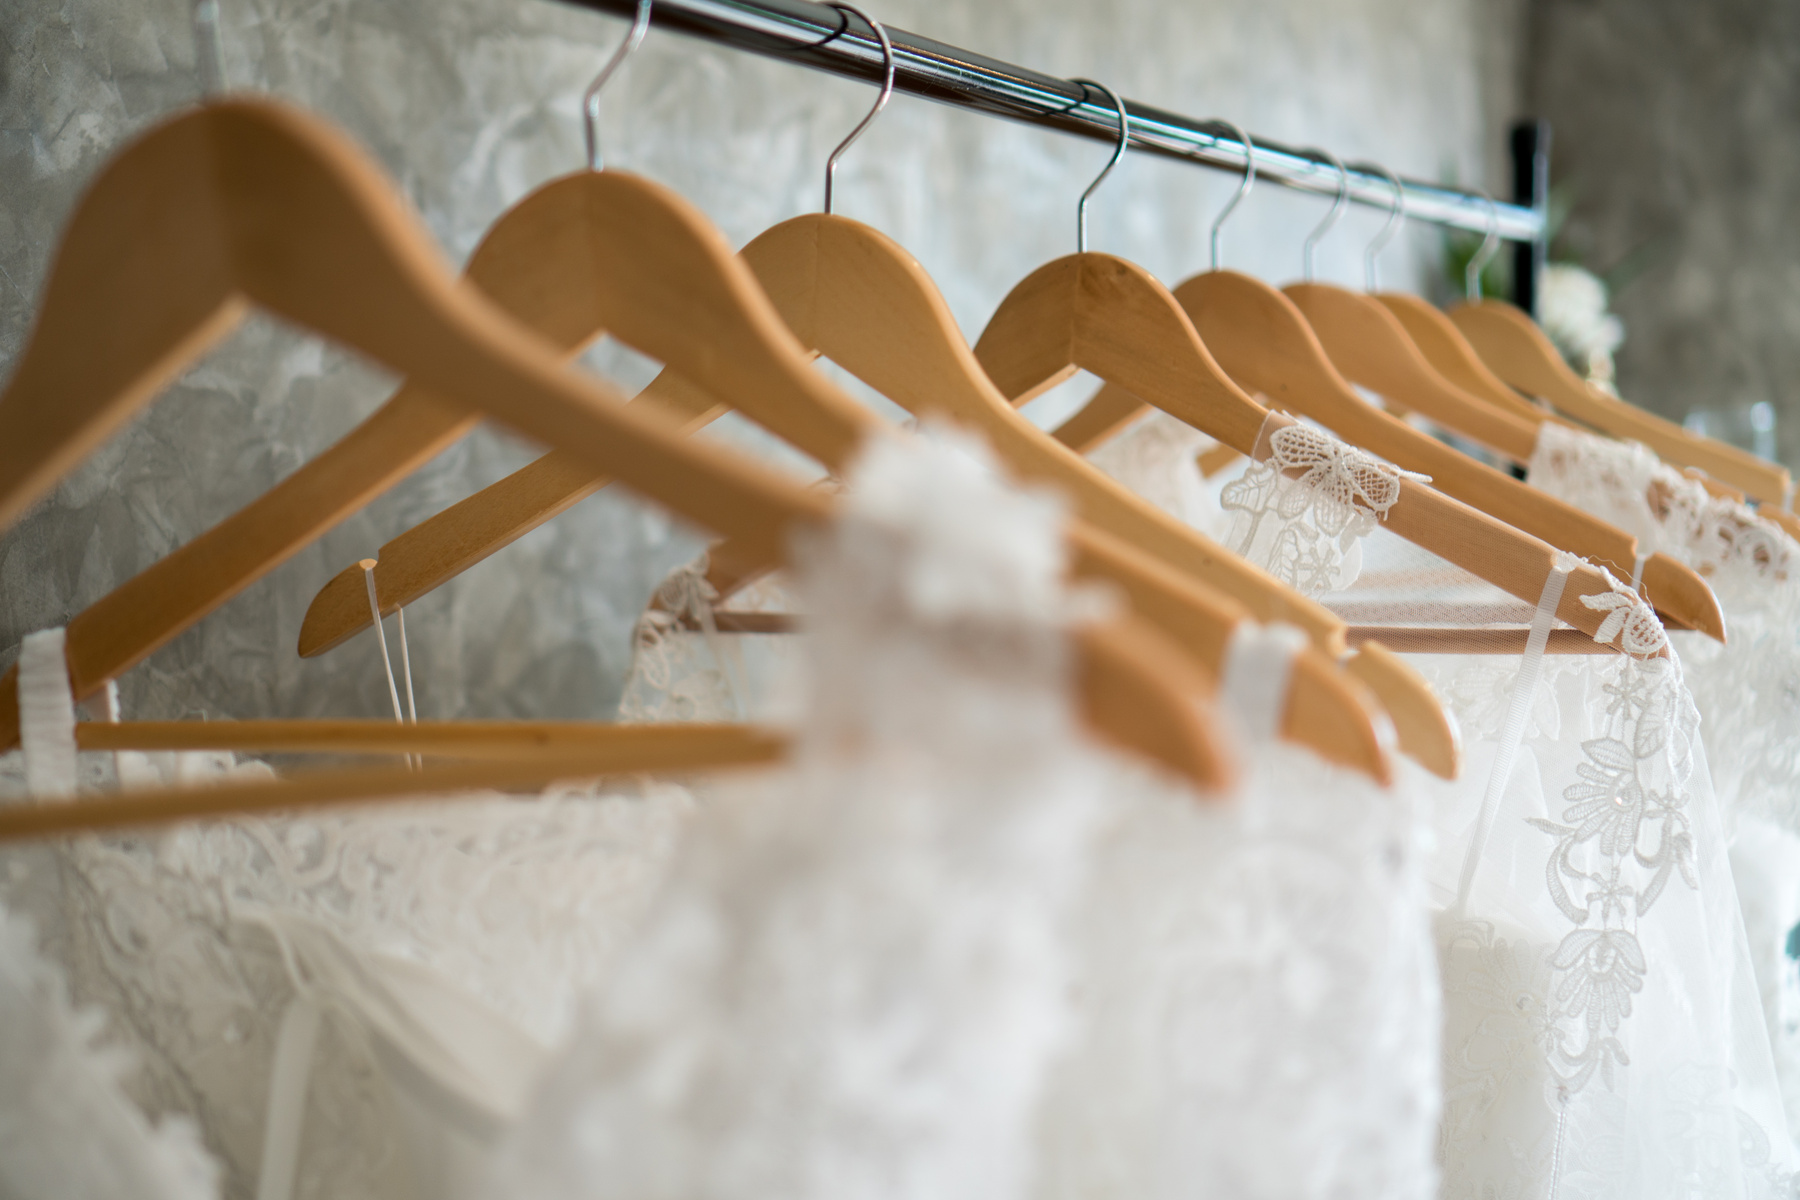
<point>1603,1033</point>
<point>1749,688</point>
<point>343,1002</point>
<point>1257,987</point>
<point>1304,507</point>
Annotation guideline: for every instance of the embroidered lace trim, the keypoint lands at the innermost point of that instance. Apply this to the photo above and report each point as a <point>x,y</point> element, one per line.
<point>1324,497</point>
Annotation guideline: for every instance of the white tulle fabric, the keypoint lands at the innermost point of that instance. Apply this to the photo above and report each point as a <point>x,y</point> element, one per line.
<point>351,1004</point>
<point>1747,691</point>
<point>1603,1032</point>
<point>858,976</point>
<point>1258,996</point>
<point>67,1128</point>
<point>1256,1005</point>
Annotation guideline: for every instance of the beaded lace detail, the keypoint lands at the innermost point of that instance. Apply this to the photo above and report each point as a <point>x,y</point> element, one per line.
<point>1324,496</point>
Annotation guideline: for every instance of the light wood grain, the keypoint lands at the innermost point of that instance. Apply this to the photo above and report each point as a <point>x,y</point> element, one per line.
<point>1370,346</point>
<point>1512,345</point>
<point>248,201</point>
<point>699,748</point>
<point>1264,341</point>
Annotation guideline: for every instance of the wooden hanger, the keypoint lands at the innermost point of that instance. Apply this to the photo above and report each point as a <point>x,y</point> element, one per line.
<point>1263,341</point>
<point>705,747</point>
<point>246,202</point>
<point>869,306</point>
<point>1513,346</point>
<point>1369,344</point>
<point>1102,314</point>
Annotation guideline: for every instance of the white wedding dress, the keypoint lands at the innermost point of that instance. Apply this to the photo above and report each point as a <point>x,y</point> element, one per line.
<point>345,1004</point>
<point>1603,1033</point>
<point>1747,691</point>
<point>1255,1007</point>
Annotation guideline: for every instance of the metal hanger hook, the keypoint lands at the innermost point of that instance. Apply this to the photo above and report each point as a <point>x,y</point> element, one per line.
<point>207,58</point>
<point>1396,215</point>
<point>1237,197</point>
<point>1331,218</point>
<point>590,99</point>
<point>887,92</point>
<point>1081,206</point>
<point>1490,245</point>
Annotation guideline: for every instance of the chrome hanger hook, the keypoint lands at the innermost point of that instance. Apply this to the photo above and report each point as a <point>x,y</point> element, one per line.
<point>590,99</point>
<point>1237,197</point>
<point>1490,246</point>
<point>1081,206</point>
<point>1396,215</point>
<point>1331,218</point>
<point>207,58</point>
<point>887,92</point>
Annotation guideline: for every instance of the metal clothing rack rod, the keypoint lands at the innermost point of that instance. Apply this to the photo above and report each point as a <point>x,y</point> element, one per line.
<point>828,39</point>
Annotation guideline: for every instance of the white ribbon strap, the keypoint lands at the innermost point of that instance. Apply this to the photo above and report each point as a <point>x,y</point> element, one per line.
<point>1518,711</point>
<point>1259,661</point>
<point>46,715</point>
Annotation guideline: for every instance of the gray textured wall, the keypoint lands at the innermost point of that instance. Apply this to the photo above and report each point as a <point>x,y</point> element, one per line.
<point>1678,136</point>
<point>470,103</point>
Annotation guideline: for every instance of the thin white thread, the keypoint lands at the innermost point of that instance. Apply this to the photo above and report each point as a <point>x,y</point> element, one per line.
<point>387,663</point>
<point>1513,733</point>
<point>412,707</point>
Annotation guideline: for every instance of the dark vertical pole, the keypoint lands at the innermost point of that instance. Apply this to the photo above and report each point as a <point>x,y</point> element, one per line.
<point>1531,186</point>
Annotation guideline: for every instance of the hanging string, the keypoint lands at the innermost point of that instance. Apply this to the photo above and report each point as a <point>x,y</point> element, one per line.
<point>207,59</point>
<point>387,662</point>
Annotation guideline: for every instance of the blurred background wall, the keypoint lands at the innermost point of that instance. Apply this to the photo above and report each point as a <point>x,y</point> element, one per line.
<point>471,103</point>
<point>1677,161</point>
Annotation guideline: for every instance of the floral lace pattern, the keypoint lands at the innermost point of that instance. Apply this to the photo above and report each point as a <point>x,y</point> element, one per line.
<point>1749,686</point>
<point>1632,790</point>
<point>1324,496</point>
<point>516,904</point>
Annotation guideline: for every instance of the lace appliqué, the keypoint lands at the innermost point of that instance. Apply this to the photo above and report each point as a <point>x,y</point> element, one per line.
<point>1324,496</point>
<point>676,676</point>
<point>1624,834</point>
<point>1750,685</point>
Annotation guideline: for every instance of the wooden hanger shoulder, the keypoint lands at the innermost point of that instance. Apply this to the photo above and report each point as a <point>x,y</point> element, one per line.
<point>1371,348</point>
<point>311,232</point>
<point>1445,348</point>
<point>1520,353</point>
<point>1265,342</point>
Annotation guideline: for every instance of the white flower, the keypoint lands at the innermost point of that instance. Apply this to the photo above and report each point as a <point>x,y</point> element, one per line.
<point>1572,309</point>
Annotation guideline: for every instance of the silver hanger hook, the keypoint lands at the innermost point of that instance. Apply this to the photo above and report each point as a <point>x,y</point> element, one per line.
<point>590,99</point>
<point>1331,218</point>
<point>1396,215</point>
<point>1118,153</point>
<point>887,91</point>
<point>1243,188</point>
<point>207,58</point>
<point>1490,245</point>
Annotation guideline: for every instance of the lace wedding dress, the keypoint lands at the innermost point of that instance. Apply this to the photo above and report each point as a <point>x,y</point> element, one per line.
<point>1747,691</point>
<point>1257,989</point>
<point>1603,1035</point>
<point>346,1004</point>
<point>858,976</point>
<point>1255,1005</point>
